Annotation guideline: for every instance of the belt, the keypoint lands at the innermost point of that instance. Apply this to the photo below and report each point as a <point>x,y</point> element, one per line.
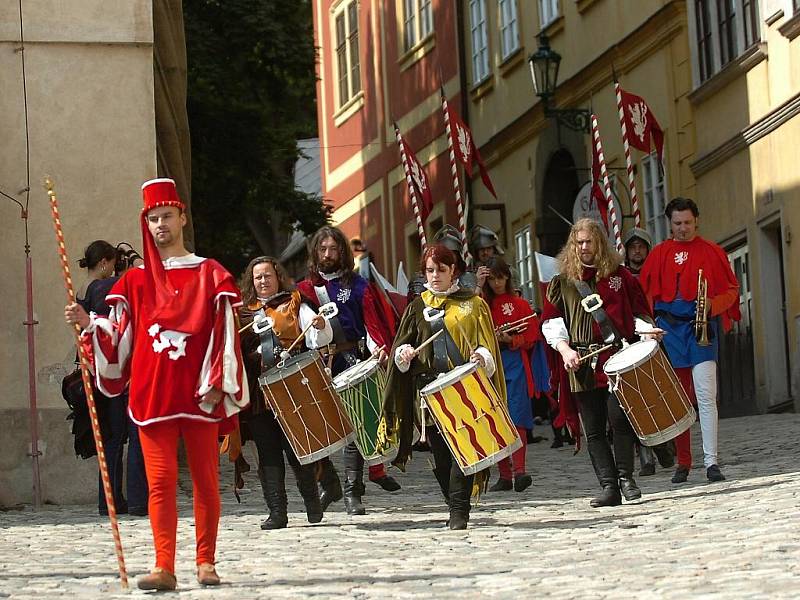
<point>673,319</point>
<point>333,349</point>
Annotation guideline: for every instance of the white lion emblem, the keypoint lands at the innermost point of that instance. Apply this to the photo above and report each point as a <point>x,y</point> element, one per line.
<point>343,296</point>
<point>615,283</point>
<point>464,144</point>
<point>681,257</point>
<point>163,339</point>
<point>507,308</point>
<point>638,113</point>
<point>418,177</point>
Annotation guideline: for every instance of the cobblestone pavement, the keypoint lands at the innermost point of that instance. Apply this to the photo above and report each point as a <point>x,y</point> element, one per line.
<point>738,538</point>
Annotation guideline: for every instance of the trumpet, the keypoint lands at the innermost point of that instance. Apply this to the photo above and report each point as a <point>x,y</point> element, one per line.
<point>701,312</point>
<point>514,326</point>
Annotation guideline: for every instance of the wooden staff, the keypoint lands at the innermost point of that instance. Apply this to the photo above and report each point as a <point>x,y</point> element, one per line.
<point>87,386</point>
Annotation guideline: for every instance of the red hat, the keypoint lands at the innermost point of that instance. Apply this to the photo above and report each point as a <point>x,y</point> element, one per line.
<point>155,193</point>
<point>160,192</point>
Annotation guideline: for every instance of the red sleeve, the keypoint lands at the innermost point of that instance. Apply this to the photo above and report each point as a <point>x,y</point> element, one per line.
<point>650,278</point>
<point>640,305</point>
<point>377,319</point>
<point>724,290</point>
<point>528,337</point>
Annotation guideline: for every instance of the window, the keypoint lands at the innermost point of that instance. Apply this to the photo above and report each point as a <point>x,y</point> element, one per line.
<point>524,262</point>
<point>740,264</point>
<point>548,12</point>
<point>480,41</point>
<point>509,28</point>
<point>655,194</point>
<point>348,68</point>
<point>723,30</point>
<point>417,21</point>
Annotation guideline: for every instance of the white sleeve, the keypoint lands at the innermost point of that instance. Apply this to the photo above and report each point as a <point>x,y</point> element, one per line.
<point>488,359</point>
<point>372,345</point>
<point>315,338</point>
<point>401,365</point>
<point>641,326</point>
<point>555,332</point>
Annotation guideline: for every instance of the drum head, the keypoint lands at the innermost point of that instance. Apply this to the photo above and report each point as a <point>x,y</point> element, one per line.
<point>631,357</point>
<point>290,367</point>
<point>447,379</point>
<point>355,374</point>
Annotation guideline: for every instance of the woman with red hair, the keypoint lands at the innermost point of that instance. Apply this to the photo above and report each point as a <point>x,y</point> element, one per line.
<point>468,336</point>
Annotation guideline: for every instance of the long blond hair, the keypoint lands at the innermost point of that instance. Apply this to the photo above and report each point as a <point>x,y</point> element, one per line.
<point>606,259</point>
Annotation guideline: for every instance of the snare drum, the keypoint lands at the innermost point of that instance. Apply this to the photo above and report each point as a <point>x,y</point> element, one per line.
<point>471,417</point>
<point>309,411</point>
<point>361,390</point>
<point>649,392</point>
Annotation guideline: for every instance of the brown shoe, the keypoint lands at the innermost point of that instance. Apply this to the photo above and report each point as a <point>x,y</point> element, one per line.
<point>159,579</point>
<point>207,575</point>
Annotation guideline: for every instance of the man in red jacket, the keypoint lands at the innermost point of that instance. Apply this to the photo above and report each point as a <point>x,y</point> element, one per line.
<point>670,279</point>
<point>171,338</point>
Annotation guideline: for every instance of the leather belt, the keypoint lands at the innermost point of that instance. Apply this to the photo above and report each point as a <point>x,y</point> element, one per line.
<point>592,303</point>
<point>445,351</point>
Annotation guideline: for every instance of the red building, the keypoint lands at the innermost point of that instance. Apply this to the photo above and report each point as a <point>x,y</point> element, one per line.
<point>379,63</point>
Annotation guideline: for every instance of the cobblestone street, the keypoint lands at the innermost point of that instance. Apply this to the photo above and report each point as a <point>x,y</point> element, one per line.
<point>738,538</point>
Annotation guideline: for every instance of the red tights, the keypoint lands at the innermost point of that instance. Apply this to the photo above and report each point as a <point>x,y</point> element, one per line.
<point>160,449</point>
<point>518,458</point>
<point>683,443</point>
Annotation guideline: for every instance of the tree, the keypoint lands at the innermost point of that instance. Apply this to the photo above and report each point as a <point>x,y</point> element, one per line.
<point>251,95</point>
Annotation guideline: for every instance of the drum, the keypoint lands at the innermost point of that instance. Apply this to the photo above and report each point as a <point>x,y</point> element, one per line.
<point>361,390</point>
<point>471,417</point>
<point>649,392</point>
<point>309,411</point>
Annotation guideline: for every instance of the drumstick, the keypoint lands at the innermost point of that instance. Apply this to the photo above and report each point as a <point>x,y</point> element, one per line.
<point>428,341</point>
<point>596,352</point>
<point>326,311</point>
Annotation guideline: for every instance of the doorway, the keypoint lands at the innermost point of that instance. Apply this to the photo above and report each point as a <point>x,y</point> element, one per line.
<point>559,190</point>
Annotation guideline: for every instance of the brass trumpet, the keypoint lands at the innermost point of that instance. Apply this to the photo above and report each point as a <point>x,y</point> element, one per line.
<point>701,312</point>
<point>515,326</point>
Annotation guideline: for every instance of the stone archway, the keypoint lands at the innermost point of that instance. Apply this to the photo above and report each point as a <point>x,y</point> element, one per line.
<point>559,189</point>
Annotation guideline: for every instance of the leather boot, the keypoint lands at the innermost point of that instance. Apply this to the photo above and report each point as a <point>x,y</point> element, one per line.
<point>274,488</point>
<point>331,486</point>
<point>460,491</point>
<point>606,470</point>
<point>307,486</point>
<point>353,490</point>
<point>608,497</point>
<point>443,479</point>
<point>629,489</point>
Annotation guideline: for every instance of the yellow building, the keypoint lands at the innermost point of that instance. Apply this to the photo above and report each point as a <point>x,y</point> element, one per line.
<point>727,145</point>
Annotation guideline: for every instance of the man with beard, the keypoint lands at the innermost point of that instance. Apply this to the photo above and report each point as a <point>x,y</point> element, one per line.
<point>594,302</point>
<point>670,278</point>
<point>361,328</point>
<point>637,244</point>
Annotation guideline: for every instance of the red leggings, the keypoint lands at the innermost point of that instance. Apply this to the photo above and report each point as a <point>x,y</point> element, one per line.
<point>683,443</point>
<point>518,458</point>
<point>160,449</point>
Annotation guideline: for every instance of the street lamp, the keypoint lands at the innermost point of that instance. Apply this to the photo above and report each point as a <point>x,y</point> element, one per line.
<point>544,65</point>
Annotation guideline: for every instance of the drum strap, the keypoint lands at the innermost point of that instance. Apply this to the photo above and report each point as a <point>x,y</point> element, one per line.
<point>445,350</point>
<point>593,304</point>
<point>270,345</point>
<point>338,333</point>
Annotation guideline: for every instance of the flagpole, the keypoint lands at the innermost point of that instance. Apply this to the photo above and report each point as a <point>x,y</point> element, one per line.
<point>628,162</point>
<point>612,212</point>
<point>411,190</point>
<point>462,217</point>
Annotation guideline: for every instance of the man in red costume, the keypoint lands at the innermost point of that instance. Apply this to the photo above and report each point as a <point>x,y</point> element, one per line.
<point>171,337</point>
<point>670,277</point>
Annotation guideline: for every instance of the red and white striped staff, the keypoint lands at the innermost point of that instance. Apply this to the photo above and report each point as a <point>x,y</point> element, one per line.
<point>87,386</point>
<point>628,162</point>
<point>462,217</point>
<point>612,212</point>
<point>412,190</point>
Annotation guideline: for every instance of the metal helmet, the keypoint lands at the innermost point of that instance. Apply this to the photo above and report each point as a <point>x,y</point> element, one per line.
<point>637,232</point>
<point>483,237</point>
<point>449,237</point>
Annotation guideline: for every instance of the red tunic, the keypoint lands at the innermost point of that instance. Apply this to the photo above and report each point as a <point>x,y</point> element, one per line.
<point>171,356</point>
<point>671,269</point>
<point>507,308</point>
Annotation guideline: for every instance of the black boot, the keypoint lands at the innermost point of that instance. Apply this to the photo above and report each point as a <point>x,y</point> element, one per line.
<point>460,491</point>
<point>307,485</point>
<point>274,488</point>
<point>629,489</point>
<point>353,490</point>
<point>331,486</point>
<point>608,497</point>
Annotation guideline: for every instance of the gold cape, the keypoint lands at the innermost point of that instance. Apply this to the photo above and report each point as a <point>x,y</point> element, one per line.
<point>469,322</point>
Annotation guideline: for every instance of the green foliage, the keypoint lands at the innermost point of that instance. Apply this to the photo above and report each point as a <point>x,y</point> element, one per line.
<point>251,94</point>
